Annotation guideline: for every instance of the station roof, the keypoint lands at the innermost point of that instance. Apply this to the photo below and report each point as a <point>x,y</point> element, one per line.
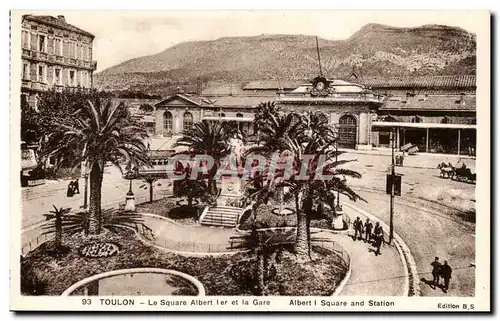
<point>432,103</point>
<point>460,81</point>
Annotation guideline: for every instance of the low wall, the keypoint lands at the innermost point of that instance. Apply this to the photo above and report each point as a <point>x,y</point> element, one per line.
<point>86,281</point>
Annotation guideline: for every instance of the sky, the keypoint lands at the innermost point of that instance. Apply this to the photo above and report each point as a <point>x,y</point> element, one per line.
<point>121,36</point>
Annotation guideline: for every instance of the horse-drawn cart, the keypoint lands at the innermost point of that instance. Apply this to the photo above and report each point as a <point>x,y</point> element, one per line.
<point>465,170</point>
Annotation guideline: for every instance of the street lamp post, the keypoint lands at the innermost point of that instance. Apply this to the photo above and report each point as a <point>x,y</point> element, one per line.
<point>130,198</point>
<point>84,172</point>
<point>336,160</point>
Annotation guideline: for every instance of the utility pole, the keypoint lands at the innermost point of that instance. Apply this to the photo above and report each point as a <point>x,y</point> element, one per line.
<point>391,224</point>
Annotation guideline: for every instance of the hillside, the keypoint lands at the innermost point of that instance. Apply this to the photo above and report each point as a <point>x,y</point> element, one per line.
<point>375,50</point>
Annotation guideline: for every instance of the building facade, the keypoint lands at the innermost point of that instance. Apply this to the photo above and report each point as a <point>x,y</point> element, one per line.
<point>435,113</point>
<point>55,54</point>
<point>349,106</point>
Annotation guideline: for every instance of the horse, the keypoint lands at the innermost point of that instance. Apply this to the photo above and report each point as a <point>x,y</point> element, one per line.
<point>447,171</point>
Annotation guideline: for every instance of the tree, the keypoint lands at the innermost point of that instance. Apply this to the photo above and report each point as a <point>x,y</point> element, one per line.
<point>209,138</point>
<point>296,135</point>
<point>194,189</point>
<point>112,219</point>
<point>263,243</point>
<point>150,179</point>
<point>263,112</point>
<point>146,108</point>
<point>35,125</point>
<point>97,133</point>
<point>56,226</point>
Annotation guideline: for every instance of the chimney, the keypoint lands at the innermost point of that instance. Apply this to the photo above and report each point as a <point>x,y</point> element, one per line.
<point>179,90</point>
<point>61,17</point>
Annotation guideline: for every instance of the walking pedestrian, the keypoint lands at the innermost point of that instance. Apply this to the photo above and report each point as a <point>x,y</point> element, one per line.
<point>70,192</point>
<point>379,238</point>
<point>377,230</point>
<point>77,186</point>
<point>368,230</point>
<point>436,271</point>
<point>358,225</point>
<point>446,275</point>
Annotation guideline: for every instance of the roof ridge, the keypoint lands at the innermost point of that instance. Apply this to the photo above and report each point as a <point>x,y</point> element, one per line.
<point>58,23</point>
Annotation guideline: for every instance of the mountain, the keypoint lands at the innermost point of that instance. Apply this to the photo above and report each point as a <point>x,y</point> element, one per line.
<point>375,50</point>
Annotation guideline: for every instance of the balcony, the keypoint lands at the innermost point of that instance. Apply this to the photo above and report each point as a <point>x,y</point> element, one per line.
<point>363,97</point>
<point>55,59</point>
<point>25,84</point>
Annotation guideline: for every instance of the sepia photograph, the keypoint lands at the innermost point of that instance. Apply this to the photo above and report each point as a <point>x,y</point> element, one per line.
<point>250,160</point>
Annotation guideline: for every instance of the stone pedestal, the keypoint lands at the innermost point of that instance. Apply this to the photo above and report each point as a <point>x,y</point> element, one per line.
<point>130,202</point>
<point>338,220</point>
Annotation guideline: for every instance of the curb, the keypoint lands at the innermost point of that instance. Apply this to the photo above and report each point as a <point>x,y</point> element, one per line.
<point>412,287</point>
<point>199,286</point>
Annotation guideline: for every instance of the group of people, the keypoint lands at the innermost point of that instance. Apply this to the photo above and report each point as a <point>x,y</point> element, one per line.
<point>369,233</point>
<point>441,271</point>
<point>73,188</point>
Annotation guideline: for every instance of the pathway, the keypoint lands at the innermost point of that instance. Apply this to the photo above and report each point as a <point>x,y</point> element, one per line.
<point>371,275</point>
<point>199,239</point>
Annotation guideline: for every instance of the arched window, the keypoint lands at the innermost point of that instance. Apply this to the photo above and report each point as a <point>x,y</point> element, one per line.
<point>188,120</point>
<point>446,120</point>
<point>222,115</point>
<point>347,120</point>
<point>347,131</point>
<point>239,115</point>
<point>416,119</point>
<point>167,121</point>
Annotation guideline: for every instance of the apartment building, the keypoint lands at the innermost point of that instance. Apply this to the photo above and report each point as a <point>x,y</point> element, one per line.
<point>55,54</point>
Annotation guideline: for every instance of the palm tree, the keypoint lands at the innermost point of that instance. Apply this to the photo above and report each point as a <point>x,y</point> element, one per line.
<point>263,112</point>
<point>55,226</point>
<point>150,179</point>
<point>263,243</point>
<point>297,135</point>
<point>209,138</point>
<point>98,133</point>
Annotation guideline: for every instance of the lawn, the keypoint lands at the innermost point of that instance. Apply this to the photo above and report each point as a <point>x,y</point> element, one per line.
<point>266,218</point>
<point>53,275</point>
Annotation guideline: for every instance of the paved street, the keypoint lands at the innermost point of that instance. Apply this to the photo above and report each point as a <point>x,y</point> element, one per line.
<point>428,234</point>
<point>39,199</point>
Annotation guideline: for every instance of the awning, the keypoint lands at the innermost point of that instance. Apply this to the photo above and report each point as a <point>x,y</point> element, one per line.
<point>422,125</point>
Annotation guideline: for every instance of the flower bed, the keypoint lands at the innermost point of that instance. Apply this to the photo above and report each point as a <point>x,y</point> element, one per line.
<point>99,249</point>
<point>51,276</point>
<point>266,218</point>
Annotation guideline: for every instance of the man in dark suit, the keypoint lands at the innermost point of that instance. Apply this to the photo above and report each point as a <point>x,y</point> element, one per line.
<point>368,230</point>
<point>358,226</point>
<point>446,274</point>
<point>436,271</point>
